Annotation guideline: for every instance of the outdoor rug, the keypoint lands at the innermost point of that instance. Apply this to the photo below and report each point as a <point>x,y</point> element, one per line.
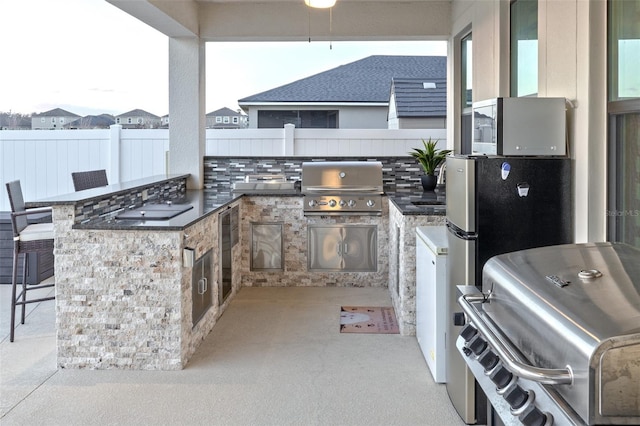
<point>368,319</point>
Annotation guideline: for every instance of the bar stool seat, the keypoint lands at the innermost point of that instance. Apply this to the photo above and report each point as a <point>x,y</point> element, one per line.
<point>27,239</point>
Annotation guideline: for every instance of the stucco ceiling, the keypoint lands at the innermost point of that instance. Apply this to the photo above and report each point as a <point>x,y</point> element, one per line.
<point>292,20</point>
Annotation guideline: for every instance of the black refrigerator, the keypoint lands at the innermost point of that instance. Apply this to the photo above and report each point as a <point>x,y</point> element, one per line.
<point>497,205</point>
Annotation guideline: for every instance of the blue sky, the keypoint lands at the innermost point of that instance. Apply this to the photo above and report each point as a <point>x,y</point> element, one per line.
<point>89,57</point>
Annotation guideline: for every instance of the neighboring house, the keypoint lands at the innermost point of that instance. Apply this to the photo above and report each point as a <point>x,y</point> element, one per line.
<point>138,119</point>
<point>226,118</point>
<point>54,119</point>
<point>10,121</point>
<point>351,96</point>
<point>164,121</point>
<point>102,121</point>
<point>418,103</point>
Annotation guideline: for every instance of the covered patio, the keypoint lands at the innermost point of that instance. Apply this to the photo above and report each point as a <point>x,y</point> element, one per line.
<point>275,358</point>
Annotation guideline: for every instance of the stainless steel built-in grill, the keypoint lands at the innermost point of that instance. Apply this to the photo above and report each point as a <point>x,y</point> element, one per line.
<point>342,187</point>
<point>554,336</point>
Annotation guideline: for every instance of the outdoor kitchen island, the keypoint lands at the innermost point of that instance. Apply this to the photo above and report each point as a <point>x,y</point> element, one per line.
<point>126,288</point>
<point>123,287</point>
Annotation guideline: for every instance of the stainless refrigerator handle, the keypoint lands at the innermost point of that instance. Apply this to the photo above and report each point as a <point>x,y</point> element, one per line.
<point>461,234</point>
<point>558,376</point>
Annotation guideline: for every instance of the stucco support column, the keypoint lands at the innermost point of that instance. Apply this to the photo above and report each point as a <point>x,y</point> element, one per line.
<point>187,108</point>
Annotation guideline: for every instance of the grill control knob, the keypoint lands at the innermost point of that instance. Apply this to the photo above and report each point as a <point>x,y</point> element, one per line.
<point>371,203</point>
<point>516,397</point>
<point>458,318</point>
<point>488,360</point>
<point>533,417</point>
<point>332,203</point>
<point>313,203</point>
<point>467,332</point>
<point>501,377</point>
<point>352,203</point>
<point>477,345</point>
<point>343,203</point>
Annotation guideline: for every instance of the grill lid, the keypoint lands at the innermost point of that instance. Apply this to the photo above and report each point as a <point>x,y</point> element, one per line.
<point>597,285</point>
<point>342,176</point>
<point>575,305</point>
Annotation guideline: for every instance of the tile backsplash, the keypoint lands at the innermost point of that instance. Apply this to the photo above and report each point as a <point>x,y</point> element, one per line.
<point>399,174</point>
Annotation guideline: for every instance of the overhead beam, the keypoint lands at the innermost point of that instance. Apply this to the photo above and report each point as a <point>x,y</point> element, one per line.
<point>354,21</point>
<point>174,19</point>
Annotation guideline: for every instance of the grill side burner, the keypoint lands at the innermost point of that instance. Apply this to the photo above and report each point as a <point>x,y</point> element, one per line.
<point>342,187</point>
<point>554,334</point>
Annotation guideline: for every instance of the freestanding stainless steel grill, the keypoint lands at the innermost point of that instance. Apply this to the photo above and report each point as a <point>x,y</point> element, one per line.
<point>342,187</point>
<point>554,336</point>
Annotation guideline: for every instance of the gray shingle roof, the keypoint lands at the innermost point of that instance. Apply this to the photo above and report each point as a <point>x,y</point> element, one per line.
<point>224,111</point>
<point>366,80</point>
<point>56,112</point>
<point>93,121</point>
<point>138,113</point>
<point>413,100</point>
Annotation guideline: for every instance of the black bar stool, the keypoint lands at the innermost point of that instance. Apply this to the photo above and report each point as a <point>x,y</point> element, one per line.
<point>27,238</point>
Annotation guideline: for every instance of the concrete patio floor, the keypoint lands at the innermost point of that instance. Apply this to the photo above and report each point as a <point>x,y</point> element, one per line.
<point>275,357</point>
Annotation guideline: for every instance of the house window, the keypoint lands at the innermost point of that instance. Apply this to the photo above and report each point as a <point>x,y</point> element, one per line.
<point>61,120</point>
<point>466,74</point>
<point>53,119</point>
<point>300,118</point>
<point>129,120</point>
<point>43,120</point>
<point>235,120</point>
<point>225,120</point>
<point>118,120</point>
<point>218,119</point>
<point>624,121</point>
<point>524,47</point>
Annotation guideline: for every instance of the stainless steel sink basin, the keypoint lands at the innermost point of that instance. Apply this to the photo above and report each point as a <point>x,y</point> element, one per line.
<point>154,212</point>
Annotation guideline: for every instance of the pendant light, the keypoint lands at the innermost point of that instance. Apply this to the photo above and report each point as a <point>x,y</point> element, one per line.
<point>320,4</point>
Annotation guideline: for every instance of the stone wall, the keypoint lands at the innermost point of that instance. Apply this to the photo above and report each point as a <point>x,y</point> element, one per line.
<point>288,210</point>
<point>118,298</point>
<point>124,298</point>
<point>402,264</point>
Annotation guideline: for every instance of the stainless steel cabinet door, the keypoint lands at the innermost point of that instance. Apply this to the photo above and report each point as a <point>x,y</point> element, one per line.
<point>267,246</point>
<point>201,281</point>
<point>346,248</point>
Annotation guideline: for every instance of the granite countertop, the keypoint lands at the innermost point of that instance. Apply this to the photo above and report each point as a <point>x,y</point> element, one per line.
<point>203,205</point>
<point>430,203</point>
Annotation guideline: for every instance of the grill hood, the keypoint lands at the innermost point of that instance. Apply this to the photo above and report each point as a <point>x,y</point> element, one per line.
<point>342,176</point>
<point>575,306</point>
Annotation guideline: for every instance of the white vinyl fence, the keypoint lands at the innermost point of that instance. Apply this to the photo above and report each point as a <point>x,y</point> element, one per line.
<point>43,160</point>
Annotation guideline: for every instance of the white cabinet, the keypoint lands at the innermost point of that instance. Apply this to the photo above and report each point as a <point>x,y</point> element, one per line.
<point>431,297</point>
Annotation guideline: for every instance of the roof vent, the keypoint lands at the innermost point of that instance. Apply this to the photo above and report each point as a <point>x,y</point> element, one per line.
<point>428,85</point>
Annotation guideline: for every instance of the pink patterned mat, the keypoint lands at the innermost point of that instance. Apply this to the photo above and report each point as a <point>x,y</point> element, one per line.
<point>368,319</point>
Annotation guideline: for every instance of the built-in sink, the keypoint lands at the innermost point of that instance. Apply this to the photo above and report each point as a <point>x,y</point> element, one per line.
<point>161,211</point>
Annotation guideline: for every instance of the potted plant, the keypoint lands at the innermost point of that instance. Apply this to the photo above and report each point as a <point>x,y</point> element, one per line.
<point>429,158</point>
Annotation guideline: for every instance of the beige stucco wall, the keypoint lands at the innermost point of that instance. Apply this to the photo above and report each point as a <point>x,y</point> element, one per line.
<point>572,64</point>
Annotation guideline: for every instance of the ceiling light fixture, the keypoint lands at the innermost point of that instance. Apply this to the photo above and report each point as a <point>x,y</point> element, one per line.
<point>320,4</point>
